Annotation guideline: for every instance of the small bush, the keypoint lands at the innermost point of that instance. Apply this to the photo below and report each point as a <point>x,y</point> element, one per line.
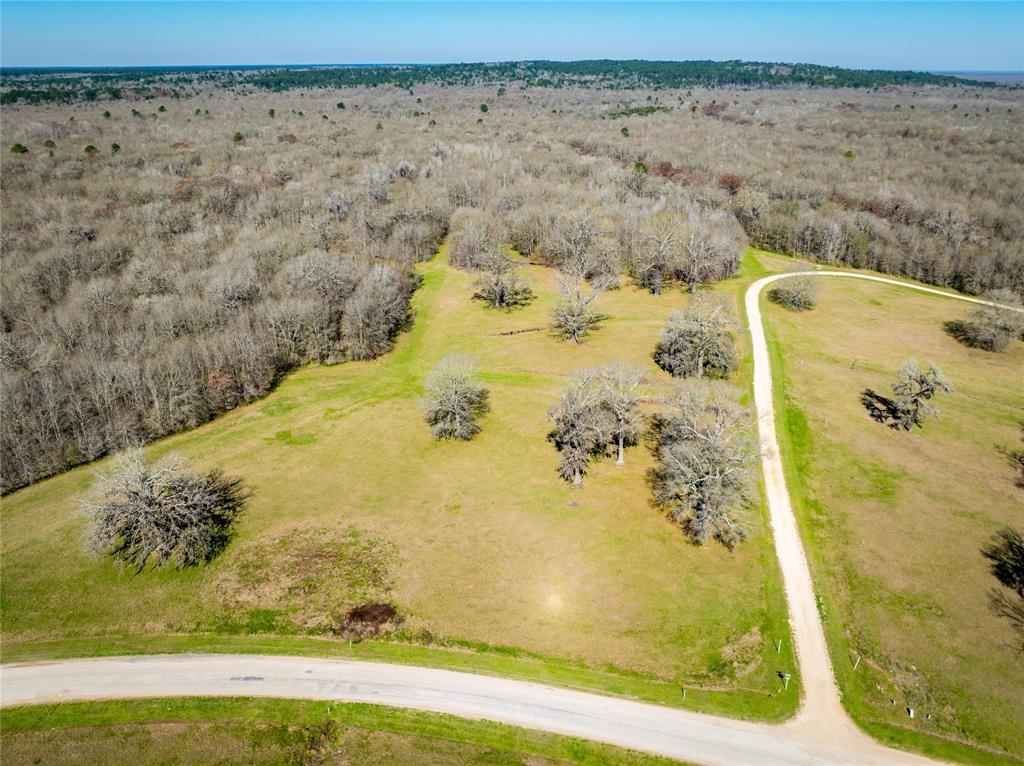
<point>18,149</point>
<point>237,137</point>
<point>795,293</point>
<point>115,148</point>
<point>49,144</point>
<point>90,149</point>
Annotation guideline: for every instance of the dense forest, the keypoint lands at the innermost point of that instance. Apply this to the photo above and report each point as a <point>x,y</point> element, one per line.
<point>67,85</point>
<point>166,260</point>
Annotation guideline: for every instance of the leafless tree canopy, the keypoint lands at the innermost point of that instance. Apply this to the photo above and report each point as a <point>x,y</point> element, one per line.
<point>597,410</point>
<point>151,286</point>
<point>704,475</point>
<point>698,342</point>
<point>453,399</point>
<point>575,316</point>
<point>582,426</point>
<point>146,514</point>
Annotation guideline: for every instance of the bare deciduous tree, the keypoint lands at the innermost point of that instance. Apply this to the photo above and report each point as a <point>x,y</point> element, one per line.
<point>620,387</point>
<point>501,288</point>
<point>699,341</point>
<point>338,204</point>
<point>991,327</point>
<point>708,258</point>
<point>659,256</point>
<point>703,475</point>
<point>147,514</point>
<point>582,426</point>
<point>375,312</point>
<point>573,317</point>
<point>453,399</point>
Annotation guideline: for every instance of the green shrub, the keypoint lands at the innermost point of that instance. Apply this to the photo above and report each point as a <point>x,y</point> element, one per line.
<point>237,137</point>
<point>90,149</point>
<point>18,149</point>
<point>115,148</point>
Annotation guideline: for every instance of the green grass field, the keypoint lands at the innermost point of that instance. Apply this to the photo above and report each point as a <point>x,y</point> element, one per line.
<point>494,562</point>
<point>253,731</point>
<point>894,521</point>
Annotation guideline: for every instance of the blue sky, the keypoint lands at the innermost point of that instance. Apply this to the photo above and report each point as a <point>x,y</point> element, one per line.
<point>898,35</point>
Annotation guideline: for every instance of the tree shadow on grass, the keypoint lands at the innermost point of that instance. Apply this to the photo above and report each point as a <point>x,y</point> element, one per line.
<point>881,408</point>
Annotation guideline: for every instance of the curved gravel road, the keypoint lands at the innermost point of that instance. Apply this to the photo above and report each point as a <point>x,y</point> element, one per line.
<point>821,733</point>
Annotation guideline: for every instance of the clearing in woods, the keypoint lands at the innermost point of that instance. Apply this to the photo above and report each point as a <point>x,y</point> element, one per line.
<point>479,544</point>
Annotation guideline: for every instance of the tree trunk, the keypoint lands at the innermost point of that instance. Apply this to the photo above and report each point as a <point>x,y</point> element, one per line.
<point>577,480</point>
<point>622,452</point>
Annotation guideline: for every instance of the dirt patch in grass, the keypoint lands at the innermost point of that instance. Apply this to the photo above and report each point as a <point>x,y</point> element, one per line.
<point>306,579</point>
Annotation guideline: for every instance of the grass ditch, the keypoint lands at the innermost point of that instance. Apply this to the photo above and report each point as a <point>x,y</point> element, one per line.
<point>273,731</point>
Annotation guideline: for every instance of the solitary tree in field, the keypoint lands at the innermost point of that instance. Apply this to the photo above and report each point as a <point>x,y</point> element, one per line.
<point>703,476</point>
<point>155,514</point>
<point>500,287</point>
<point>620,386</point>
<point>914,391</point>
<point>910,404</point>
<point>453,399</point>
<point>582,426</point>
<point>991,327</point>
<point>699,341</point>
<point>574,315</point>
<point>798,293</point>
<point>1005,551</point>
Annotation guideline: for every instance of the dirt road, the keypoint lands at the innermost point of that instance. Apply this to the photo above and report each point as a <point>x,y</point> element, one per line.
<point>821,733</point>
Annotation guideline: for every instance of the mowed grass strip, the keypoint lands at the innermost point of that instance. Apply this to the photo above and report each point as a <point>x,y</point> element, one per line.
<point>491,549</point>
<point>894,521</point>
<point>256,731</point>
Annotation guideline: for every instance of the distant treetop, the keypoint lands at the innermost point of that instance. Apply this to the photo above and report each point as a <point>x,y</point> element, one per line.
<point>91,84</point>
